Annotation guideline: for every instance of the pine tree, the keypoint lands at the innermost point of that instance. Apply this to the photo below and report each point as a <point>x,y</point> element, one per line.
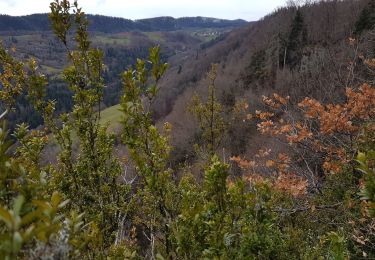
<point>291,53</point>
<point>209,115</point>
<point>366,20</point>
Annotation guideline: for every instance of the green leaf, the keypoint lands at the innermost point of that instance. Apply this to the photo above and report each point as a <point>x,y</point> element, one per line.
<point>17,241</point>
<point>27,235</point>
<point>63,204</point>
<point>55,199</point>
<point>28,218</point>
<point>17,205</point>
<point>6,217</point>
<point>42,204</point>
<point>361,157</point>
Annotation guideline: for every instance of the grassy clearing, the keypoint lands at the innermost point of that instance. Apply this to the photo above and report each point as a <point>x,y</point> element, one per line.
<point>155,36</point>
<point>27,37</point>
<point>112,116</point>
<point>111,40</point>
<point>50,70</point>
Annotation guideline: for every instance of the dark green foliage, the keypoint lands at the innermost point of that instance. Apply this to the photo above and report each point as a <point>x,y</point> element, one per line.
<point>366,162</point>
<point>152,205</point>
<point>37,22</point>
<point>118,60</point>
<point>89,178</point>
<point>292,47</point>
<point>29,216</point>
<point>366,20</point>
<point>218,221</point>
<point>93,176</point>
<point>256,71</point>
<point>215,182</point>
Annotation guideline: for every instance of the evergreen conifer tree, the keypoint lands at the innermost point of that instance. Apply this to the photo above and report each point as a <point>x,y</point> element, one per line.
<point>366,19</point>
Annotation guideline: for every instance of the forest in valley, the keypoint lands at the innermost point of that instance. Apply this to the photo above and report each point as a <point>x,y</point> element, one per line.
<point>122,42</point>
<point>189,138</point>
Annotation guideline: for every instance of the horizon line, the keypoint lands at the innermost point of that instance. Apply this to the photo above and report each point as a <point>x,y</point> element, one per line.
<point>134,20</point>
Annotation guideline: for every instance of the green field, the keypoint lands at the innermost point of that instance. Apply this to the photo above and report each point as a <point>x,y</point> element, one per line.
<point>49,70</point>
<point>111,40</point>
<point>155,36</point>
<point>112,116</point>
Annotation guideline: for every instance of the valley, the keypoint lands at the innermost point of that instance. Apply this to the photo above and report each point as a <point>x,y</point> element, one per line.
<point>189,138</point>
<point>121,40</point>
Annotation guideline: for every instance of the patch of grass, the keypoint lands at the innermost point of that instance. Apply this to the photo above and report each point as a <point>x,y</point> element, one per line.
<point>50,70</point>
<point>155,36</point>
<point>27,37</point>
<point>206,34</point>
<point>111,40</point>
<point>112,116</point>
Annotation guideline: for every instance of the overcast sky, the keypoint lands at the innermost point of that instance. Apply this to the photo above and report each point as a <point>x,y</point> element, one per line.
<point>135,9</point>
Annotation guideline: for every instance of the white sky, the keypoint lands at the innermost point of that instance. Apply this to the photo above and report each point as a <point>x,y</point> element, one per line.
<point>250,10</point>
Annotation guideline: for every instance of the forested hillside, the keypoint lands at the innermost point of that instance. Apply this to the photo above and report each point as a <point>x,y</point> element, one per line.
<point>106,24</point>
<point>122,40</point>
<point>253,143</point>
<point>293,53</point>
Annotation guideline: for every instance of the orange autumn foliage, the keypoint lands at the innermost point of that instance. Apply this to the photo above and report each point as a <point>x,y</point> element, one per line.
<point>284,181</point>
<point>254,178</point>
<point>330,129</point>
<point>342,118</point>
<point>244,164</point>
<point>326,131</point>
<point>291,183</point>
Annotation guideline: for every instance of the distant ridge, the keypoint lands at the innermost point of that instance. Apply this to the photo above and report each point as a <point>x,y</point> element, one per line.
<point>100,23</point>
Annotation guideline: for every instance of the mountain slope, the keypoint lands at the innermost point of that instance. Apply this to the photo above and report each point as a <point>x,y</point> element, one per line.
<point>122,41</point>
<point>251,65</point>
<point>106,24</point>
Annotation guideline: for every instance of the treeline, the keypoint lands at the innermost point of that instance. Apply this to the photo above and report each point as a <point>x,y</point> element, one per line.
<point>106,24</point>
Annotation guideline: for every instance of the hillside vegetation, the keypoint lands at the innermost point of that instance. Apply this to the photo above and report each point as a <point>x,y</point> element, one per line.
<point>122,40</point>
<point>258,144</point>
<point>320,62</point>
<point>106,24</point>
